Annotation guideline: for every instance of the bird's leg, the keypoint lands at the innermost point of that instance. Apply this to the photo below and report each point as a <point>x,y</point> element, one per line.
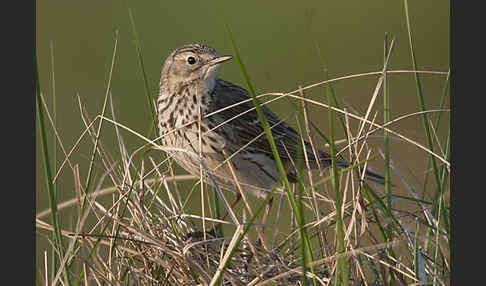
<point>268,206</point>
<point>233,204</point>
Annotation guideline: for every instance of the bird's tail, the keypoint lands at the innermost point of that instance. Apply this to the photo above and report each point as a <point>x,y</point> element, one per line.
<point>325,160</point>
<point>370,175</point>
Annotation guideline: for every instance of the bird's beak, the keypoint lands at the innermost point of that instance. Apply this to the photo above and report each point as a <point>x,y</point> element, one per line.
<point>219,60</point>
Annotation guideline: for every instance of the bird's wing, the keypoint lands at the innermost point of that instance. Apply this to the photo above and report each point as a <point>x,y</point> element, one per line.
<point>246,126</point>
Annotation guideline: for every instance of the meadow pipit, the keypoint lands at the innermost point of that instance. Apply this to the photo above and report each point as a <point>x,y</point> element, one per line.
<point>194,102</point>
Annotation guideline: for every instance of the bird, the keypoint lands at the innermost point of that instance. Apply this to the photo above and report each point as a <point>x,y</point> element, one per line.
<point>216,119</point>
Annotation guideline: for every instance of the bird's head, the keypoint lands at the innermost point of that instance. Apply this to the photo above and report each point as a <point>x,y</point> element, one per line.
<point>191,63</point>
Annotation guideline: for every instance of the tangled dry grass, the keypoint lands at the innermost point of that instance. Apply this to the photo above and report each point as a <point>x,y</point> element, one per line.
<point>145,236</point>
<point>341,230</point>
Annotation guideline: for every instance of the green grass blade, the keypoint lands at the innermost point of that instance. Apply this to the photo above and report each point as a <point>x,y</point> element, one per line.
<point>342,266</point>
<point>416,252</point>
<point>386,119</point>
<point>330,90</point>
<point>45,157</point>
<point>421,101</point>
<point>442,218</point>
<point>47,168</point>
<point>372,198</point>
<point>437,237</point>
<point>262,118</point>
<point>437,209</point>
<point>303,232</point>
<point>53,76</point>
<point>100,125</point>
<point>95,148</point>
<point>436,124</point>
<point>217,210</point>
<point>307,252</point>
<point>386,139</point>
<point>444,176</point>
<point>411,199</point>
<point>144,73</point>
<point>334,101</point>
<point>54,117</point>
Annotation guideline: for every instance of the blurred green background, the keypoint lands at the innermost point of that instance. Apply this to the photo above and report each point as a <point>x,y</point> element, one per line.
<point>277,41</point>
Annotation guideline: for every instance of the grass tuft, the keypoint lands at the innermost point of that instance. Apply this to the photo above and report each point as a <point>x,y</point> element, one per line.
<point>338,230</point>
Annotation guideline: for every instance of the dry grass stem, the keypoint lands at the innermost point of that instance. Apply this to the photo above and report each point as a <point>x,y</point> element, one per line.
<point>134,224</point>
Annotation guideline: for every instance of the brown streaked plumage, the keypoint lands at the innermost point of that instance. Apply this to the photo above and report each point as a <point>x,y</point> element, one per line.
<point>189,82</point>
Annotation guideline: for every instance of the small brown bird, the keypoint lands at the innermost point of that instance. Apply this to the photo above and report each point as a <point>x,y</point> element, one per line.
<point>194,101</point>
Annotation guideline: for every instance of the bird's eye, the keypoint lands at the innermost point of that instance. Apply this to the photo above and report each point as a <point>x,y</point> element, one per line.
<point>191,60</point>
